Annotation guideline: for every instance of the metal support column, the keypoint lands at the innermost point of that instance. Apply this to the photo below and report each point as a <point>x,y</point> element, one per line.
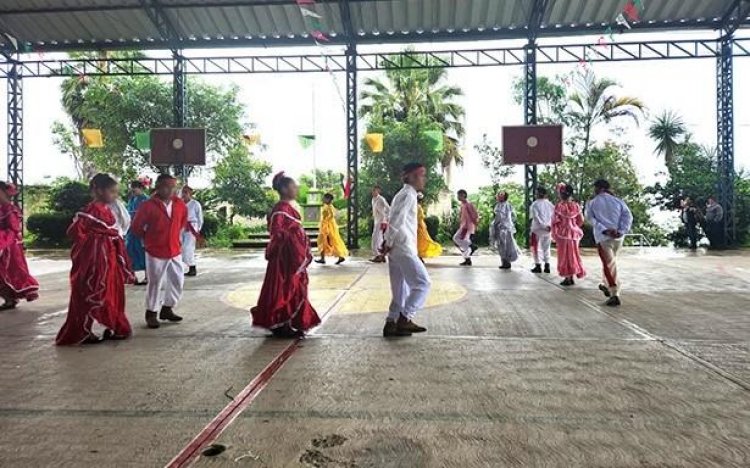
<point>15,130</point>
<point>352,148</point>
<point>530,118</point>
<point>725,134</point>
<point>179,102</point>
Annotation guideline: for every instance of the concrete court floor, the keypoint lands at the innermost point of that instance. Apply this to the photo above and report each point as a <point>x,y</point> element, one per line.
<point>513,371</point>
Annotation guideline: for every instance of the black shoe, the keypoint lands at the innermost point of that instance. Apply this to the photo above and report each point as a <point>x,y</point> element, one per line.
<point>466,262</point>
<point>284,332</point>
<point>92,339</point>
<point>391,329</point>
<point>613,301</point>
<point>151,321</point>
<point>341,260</point>
<point>474,248</point>
<point>166,313</point>
<point>537,268</point>
<point>546,268</point>
<point>9,305</point>
<point>567,282</point>
<point>192,271</point>
<point>505,266</point>
<point>111,335</point>
<point>321,261</point>
<point>605,290</point>
<point>404,324</point>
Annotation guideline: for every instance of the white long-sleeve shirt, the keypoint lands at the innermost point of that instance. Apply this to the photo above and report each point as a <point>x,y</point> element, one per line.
<point>605,211</point>
<point>401,235</point>
<point>195,214</point>
<point>542,211</point>
<point>380,210</point>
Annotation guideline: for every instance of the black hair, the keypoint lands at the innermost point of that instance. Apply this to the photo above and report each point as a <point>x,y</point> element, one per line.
<point>377,187</point>
<point>137,184</point>
<point>412,166</point>
<point>164,177</point>
<point>601,184</point>
<point>566,191</point>
<point>4,186</point>
<point>102,181</point>
<point>504,194</point>
<point>462,192</point>
<point>280,182</point>
<point>328,196</point>
<point>541,191</point>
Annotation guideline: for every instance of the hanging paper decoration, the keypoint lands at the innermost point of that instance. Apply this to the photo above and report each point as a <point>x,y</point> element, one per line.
<point>251,139</point>
<point>374,142</point>
<point>92,137</point>
<point>622,21</point>
<point>319,36</point>
<point>436,139</point>
<point>306,141</point>
<point>639,4</point>
<point>309,13</point>
<point>143,141</point>
<point>631,11</point>
<point>347,188</point>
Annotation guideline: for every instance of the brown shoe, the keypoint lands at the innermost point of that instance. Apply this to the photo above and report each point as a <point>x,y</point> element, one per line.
<point>405,324</point>
<point>151,321</point>
<point>166,313</point>
<point>391,329</point>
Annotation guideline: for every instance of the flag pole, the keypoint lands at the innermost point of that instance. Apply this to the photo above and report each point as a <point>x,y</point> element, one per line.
<point>315,144</point>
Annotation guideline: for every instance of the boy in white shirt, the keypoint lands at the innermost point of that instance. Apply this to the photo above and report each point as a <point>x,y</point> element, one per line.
<point>541,211</point>
<point>191,234</point>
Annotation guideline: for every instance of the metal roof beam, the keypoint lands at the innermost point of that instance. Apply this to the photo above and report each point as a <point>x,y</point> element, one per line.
<point>735,16</point>
<point>538,10</point>
<point>346,21</point>
<point>158,16</point>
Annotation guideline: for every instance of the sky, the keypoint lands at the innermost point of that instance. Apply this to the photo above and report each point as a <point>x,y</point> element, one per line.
<point>283,106</point>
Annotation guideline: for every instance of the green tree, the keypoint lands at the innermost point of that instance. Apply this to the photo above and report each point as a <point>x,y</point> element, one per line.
<point>121,106</point>
<point>240,180</point>
<point>492,160</point>
<point>410,92</point>
<point>668,130</point>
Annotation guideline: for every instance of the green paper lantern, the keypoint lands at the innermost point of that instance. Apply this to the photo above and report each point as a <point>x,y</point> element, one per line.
<point>143,141</point>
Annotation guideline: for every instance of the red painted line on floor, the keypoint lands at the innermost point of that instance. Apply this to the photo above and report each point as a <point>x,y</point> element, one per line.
<point>214,428</point>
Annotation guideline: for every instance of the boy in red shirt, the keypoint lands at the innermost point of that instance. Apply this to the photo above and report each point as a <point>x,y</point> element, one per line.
<point>160,221</point>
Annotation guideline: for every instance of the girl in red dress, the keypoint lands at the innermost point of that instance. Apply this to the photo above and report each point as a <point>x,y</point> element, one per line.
<point>15,281</point>
<point>99,273</point>
<point>283,306</point>
<point>567,233</point>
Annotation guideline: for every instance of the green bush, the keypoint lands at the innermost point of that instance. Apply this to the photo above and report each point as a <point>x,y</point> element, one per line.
<point>226,233</point>
<point>69,196</point>
<point>49,229</point>
<point>211,224</point>
<point>433,226</point>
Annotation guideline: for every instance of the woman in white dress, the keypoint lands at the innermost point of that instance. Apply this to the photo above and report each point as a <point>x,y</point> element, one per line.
<point>502,231</point>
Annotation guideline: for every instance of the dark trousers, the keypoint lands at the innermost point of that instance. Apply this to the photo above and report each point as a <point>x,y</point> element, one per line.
<point>692,233</point>
<point>715,234</point>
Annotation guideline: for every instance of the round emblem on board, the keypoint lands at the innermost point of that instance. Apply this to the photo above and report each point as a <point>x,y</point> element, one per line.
<point>531,142</point>
<point>177,143</point>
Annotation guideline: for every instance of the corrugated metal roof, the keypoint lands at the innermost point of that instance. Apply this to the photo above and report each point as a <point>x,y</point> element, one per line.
<point>57,24</point>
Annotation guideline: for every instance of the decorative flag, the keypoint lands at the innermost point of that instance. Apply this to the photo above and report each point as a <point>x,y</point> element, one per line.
<point>319,36</point>
<point>143,141</point>
<point>620,19</point>
<point>639,4</point>
<point>306,141</point>
<point>316,24</point>
<point>309,13</point>
<point>347,188</point>
<point>13,41</point>
<point>602,42</point>
<point>375,142</point>
<point>305,2</point>
<point>92,137</point>
<point>251,139</point>
<point>436,139</point>
<point>631,11</point>
<point>610,33</point>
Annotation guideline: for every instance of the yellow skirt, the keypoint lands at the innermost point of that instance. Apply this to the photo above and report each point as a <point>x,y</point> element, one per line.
<point>427,247</point>
<point>330,242</point>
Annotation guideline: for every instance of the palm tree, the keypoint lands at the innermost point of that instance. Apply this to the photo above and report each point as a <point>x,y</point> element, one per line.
<point>594,102</point>
<point>418,91</point>
<point>668,130</point>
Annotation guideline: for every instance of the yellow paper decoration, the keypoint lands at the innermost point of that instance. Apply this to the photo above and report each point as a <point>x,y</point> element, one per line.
<point>251,139</point>
<point>92,137</point>
<point>375,142</point>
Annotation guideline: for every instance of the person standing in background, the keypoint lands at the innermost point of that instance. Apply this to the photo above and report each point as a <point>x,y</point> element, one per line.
<point>690,216</point>
<point>134,244</point>
<point>715,223</point>
<point>469,219</point>
<point>192,234</point>
<point>380,212</point>
<point>502,231</point>
<point>541,211</point>
<point>610,219</point>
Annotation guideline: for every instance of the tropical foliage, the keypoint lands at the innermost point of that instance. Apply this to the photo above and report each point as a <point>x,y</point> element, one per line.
<point>668,130</point>
<point>240,180</point>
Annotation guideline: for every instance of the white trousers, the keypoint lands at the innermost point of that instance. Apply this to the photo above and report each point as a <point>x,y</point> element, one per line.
<point>608,250</point>
<point>377,240</point>
<point>463,243</point>
<point>167,272</point>
<point>410,285</point>
<point>188,248</point>
<point>541,244</point>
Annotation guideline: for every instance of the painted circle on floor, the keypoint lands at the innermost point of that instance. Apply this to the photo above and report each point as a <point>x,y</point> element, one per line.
<point>370,294</point>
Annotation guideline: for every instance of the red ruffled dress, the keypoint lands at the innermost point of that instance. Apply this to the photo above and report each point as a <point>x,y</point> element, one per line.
<point>283,298</point>
<point>16,282</point>
<point>97,278</point>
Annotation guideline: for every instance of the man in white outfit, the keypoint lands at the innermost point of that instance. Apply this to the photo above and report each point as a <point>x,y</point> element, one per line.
<point>610,219</point>
<point>410,282</point>
<point>542,211</point>
<point>191,234</point>
<point>380,212</point>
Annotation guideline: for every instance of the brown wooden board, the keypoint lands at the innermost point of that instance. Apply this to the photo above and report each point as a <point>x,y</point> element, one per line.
<point>178,146</point>
<point>532,144</point>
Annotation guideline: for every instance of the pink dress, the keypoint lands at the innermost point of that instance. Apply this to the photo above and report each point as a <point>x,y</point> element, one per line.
<point>567,233</point>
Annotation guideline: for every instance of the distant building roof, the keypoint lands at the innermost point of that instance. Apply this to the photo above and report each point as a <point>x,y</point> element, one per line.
<point>93,24</point>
